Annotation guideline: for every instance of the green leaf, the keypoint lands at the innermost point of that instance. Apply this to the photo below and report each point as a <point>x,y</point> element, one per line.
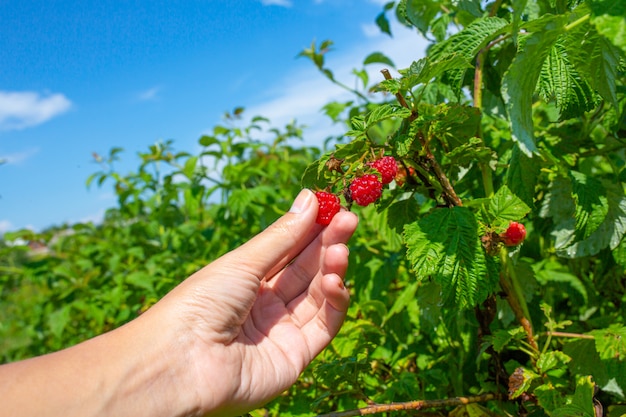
<point>582,401</point>
<point>383,23</point>
<point>141,279</point>
<point>604,64</point>
<point>611,342</point>
<point>609,18</point>
<point>591,203</point>
<point>507,206</point>
<point>402,300</point>
<point>521,177</point>
<point>467,43</point>
<point>190,167</point>
<point>520,80</point>
<point>560,80</point>
<point>552,359</point>
<point>386,111</point>
<point>607,234</point>
<point>425,69</point>
<point>446,246</point>
<point>421,12</point>
<point>378,58</point>
<point>58,320</point>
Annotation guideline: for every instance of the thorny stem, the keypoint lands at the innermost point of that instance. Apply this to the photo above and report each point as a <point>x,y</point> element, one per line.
<point>450,195</point>
<point>415,405</point>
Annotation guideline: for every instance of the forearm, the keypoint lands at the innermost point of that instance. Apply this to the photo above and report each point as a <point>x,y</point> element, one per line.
<point>127,372</point>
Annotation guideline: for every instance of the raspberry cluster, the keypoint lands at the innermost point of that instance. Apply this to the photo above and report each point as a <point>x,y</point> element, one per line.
<point>364,189</point>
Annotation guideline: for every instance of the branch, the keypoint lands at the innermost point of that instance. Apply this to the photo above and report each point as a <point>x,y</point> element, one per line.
<point>415,405</point>
<point>433,166</point>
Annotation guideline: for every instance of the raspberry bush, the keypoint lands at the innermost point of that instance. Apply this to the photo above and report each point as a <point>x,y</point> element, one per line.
<point>514,118</point>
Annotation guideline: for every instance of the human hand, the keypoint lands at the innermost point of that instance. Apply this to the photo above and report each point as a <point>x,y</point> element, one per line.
<point>251,321</point>
<point>226,340</point>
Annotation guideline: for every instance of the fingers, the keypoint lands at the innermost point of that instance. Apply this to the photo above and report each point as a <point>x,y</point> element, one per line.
<point>277,245</point>
<point>329,316</point>
<point>327,254</point>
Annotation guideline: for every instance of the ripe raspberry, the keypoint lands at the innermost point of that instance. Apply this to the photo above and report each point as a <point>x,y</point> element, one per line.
<point>328,206</point>
<point>514,235</point>
<point>366,189</point>
<point>388,168</point>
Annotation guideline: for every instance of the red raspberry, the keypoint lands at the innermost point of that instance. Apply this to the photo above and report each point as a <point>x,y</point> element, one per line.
<point>328,206</point>
<point>366,189</point>
<point>388,168</point>
<point>514,235</point>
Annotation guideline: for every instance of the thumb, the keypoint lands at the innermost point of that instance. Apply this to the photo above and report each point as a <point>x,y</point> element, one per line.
<point>276,246</point>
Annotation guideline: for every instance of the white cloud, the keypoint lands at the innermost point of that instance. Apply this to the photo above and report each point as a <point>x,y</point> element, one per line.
<point>302,95</point>
<point>5,226</point>
<point>149,94</point>
<point>283,3</point>
<point>17,158</point>
<point>22,109</point>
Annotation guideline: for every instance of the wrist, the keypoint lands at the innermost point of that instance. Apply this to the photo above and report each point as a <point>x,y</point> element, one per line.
<point>149,374</point>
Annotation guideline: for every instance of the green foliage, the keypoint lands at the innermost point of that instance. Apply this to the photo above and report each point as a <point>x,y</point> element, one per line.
<point>516,114</point>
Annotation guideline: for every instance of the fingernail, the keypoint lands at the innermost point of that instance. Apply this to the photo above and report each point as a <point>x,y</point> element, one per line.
<point>301,202</point>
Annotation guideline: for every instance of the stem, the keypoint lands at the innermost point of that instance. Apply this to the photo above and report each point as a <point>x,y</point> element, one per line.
<point>570,335</point>
<point>577,22</point>
<point>433,166</point>
<point>494,8</point>
<point>415,405</point>
<point>515,297</point>
<point>399,95</point>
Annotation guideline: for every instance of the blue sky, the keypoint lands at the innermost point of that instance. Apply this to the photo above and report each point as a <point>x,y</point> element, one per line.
<point>85,76</point>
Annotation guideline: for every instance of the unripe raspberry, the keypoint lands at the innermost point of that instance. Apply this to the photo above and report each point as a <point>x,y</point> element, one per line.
<point>366,189</point>
<point>514,235</point>
<point>328,206</point>
<point>388,168</point>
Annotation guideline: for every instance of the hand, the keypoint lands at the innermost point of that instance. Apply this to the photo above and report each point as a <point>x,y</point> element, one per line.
<point>226,340</point>
<point>255,319</point>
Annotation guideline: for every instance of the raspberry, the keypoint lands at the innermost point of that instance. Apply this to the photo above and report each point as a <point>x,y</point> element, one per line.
<point>514,235</point>
<point>388,168</point>
<point>366,189</point>
<point>328,206</point>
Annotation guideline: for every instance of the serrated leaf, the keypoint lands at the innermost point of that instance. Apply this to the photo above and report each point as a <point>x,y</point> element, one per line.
<point>386,111</point>
<point>428,68</point>
<point>507,206</point>
<point>467,43</point>
<point>520,81</point>
<point>591,203</point>
<point>446,246</point>
<point>560,81</point>
<point>604,64</point>
<point>551,359</point>
<point>521,177</point>
<point>611,342</point>
<point>582,400</point>
<point>608,234</point>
